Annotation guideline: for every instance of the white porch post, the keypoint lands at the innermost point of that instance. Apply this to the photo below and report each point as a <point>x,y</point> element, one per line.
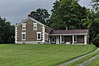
<point>72,39</point>
<point>49,40</point>
<point>85,39</point>
<point>60,39</point>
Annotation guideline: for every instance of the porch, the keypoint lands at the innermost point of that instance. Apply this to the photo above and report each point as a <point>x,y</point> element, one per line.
<point>68,39</point>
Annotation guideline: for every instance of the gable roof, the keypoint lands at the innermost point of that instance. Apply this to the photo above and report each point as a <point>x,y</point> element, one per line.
<point>82,31</point>
<point>29,18</point>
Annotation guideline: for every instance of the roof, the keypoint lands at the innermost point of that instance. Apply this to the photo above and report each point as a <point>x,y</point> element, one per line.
<point>29,18</point>
<point>82,31</point>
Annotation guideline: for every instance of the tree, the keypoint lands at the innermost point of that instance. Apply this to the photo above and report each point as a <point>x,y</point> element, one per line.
<point>41,15</point>
<point>56,21</point>
<point>68,13</point>
<point>7,31</point>
<point>95,5</point>
<point>96,40</point>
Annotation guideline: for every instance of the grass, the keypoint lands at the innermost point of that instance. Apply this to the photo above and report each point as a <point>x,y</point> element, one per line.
<point>40,55</point>
<point>95,62</point>
<point>78,62</point>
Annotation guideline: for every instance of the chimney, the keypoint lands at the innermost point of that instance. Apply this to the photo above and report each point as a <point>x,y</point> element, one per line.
<point>66,28</point>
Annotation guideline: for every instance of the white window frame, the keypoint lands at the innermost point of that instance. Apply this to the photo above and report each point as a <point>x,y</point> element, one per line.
<point>52,39</point>
<point>23,26</point>
<point>22,35</point>
<point>37,35</point>
<point>34,25</point>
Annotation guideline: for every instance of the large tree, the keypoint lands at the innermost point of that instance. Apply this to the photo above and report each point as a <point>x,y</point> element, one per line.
<point>7,31</point>
<point>41,15</point>
<point>68,13</point>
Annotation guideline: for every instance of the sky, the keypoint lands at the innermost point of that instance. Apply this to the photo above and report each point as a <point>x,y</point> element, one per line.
<point>17,10</point>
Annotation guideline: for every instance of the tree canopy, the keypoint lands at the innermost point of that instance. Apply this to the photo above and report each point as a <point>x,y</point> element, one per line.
<point>69,13</point>
<point>41,15</point>
<point>7,31</point>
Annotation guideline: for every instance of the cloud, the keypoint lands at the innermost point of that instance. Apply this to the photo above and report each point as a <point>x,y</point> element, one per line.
<point>17,10</point>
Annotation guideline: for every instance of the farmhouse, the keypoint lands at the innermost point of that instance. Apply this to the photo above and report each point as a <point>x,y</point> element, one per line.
<point>31,31</point>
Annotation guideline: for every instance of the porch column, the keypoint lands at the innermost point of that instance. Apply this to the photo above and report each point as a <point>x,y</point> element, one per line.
<point>72,39</point>
<point>49,40</point>
<point>85,39</point>
<point>60,39</point>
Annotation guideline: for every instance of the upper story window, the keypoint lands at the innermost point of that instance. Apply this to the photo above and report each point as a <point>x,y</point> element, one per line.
<point>38,35</point>
<point>34,26</point>
<point>23,26</point>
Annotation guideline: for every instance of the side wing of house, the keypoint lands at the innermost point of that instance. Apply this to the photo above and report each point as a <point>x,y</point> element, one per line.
<point>30,31</point>
<point>69,36</point>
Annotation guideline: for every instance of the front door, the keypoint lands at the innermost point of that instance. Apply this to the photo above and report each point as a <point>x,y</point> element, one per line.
<point>57,40</point>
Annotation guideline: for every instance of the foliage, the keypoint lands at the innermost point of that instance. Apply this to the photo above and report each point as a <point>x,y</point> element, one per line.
<point>7,31</point>
<point>41,15</point>
<point>95,5</point>
<point>69,13</point>
<point>40,55</point>
<point>96,40</point>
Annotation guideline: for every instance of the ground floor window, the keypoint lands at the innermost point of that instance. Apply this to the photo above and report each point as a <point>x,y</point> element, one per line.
<point>38,35</point>
<point>75,38</point>
<point>62,39</point>
<point>53,39</point>
<point>23,35</point>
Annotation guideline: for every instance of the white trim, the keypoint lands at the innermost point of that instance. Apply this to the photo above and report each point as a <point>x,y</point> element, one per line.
<point>22,35</point>
<point>16,34</point>
<point>85,39</point>
<point>30,42</point>
<point>68,34</point>
<point>37,35</point>
<point>73,39</point>
<point>43,35</point>
<point>60,39</point>
<point>23,26</point>
<point>34,25</point>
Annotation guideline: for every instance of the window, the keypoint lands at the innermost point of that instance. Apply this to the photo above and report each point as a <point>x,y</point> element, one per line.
<point>24,26</point>
<point>53,39</point>
<point>38,35</point>
<point>75,38</point>
<point>23,35</point>
<point>62,39</point>
<point>34,26</point>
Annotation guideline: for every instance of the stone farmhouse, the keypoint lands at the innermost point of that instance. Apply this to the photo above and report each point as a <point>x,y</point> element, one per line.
<point>31,31</point>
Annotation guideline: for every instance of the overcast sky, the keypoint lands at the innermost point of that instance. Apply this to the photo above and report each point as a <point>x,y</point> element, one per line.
<point>17,10</point>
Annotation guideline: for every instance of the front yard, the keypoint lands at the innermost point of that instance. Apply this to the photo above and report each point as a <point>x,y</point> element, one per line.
<point>40,55</point>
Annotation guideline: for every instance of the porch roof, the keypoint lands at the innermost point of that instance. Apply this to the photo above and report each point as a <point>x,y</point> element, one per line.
<point>81,31</point>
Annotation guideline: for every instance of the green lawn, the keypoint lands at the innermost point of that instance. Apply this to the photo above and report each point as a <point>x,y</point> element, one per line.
<point>95,62</point>
<point>78,62</point>
<point>40,55</point>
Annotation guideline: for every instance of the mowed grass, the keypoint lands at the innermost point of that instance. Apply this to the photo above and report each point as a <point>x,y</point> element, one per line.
<point>40,55</point>
<point>78,62</point>
<point>95,62</point>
